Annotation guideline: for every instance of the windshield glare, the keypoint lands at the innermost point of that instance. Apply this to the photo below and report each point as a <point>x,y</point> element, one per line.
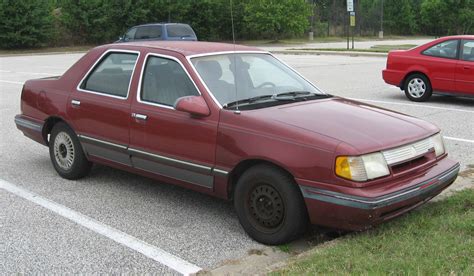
<point>232,77</point>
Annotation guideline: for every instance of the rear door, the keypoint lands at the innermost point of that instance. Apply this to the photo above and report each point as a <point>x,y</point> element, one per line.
<point>465,68</point>
<point>99,107</point>
<point>165,141</point>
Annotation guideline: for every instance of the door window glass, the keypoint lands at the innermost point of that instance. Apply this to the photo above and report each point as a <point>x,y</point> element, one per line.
<point>164,81</point>
<point>148,32</point>
<point>112,75</point>
<point>446,49</point>
<point>468,50</point>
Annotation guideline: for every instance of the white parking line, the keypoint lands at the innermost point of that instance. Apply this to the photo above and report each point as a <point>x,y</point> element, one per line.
<point>150,251</point>
<point>28,73</point>
<point>458,139</point>
<point>410,104</point>
<point>14,82</point>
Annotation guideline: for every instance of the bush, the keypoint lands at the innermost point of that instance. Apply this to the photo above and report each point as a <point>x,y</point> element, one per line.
<point>25,23</point>
<point>277,19</point>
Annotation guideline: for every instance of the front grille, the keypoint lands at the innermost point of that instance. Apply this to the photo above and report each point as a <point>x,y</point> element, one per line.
<point>408,152</point>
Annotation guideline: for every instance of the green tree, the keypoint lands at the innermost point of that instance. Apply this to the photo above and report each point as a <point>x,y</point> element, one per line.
<point>400,17</point>
<point>276,19</point>
<point>25,23</point>
<point>447,17</point>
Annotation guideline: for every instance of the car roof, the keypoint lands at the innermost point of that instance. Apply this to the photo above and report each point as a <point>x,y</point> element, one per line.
<point>458,37</point>
<point>186,48</point>
<point>158,24</point>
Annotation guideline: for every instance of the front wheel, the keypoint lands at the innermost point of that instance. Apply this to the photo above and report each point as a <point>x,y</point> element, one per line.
<point>66,153</point>
<point>269,205</point>
<point>418,88</point>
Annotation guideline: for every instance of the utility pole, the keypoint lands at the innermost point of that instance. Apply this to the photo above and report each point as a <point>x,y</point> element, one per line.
<point>381,20</point>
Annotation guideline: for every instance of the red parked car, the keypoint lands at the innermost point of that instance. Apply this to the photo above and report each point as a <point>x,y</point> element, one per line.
<point>239,124</point>
<point>445,66</point>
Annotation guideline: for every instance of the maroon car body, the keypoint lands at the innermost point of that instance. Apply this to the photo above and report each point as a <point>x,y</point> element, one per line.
<point>445,65</point>
<point>202,146</point>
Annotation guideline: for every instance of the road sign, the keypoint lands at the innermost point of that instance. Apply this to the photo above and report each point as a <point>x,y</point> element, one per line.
<point>353,19</point>
<point>350,5</point>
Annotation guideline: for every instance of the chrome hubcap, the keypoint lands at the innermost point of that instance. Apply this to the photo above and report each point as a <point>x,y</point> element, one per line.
<point>416,88</point>
<point>63,151</point>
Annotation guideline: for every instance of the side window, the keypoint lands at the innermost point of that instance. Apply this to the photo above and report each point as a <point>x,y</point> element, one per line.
<point>130,35</point>
<point>468,50</point>
<point>179,30</point>
<point>164,81</point>
<point>112,75</point>
<point>148,32</point>
<point>446,49</point>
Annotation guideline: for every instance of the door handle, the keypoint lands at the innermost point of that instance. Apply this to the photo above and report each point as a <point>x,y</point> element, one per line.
<point>76,102</point>
<point>467,67</point>
<point>139,116</point>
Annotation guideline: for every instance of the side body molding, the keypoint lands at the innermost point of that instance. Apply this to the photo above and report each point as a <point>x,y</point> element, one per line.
<point>182,170</point>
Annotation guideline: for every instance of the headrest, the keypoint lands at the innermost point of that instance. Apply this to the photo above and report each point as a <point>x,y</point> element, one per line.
<point>209,69</point>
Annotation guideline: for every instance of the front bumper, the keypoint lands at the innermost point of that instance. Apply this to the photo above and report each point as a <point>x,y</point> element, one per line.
<point>350,212</point>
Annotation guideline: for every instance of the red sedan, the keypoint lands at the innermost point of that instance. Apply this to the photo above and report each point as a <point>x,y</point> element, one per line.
<point>237,123</point>
<point>444,66</point>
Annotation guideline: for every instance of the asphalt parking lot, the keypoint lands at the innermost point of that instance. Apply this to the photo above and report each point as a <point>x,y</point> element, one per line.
<point>125,223</point>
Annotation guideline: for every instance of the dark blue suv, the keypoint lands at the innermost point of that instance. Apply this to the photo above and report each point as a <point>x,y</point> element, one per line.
<point>159,31</point>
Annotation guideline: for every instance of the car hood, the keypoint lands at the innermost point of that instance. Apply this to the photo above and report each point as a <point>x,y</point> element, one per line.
<point>364,127</point>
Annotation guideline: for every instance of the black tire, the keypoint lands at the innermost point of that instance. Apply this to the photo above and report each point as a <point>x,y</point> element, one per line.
<point>70,162</point>
<point>269,205</point>
<point>418,88</point>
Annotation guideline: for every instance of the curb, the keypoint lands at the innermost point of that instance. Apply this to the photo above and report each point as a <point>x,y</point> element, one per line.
<point>329,53</point>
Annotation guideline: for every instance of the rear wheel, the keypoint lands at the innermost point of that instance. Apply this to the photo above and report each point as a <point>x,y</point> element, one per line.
<point>66,153</point>
<point>269,205</point>
<point>418,88</point>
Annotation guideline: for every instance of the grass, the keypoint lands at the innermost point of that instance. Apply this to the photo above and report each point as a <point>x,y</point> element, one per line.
<point>437,239</point>
<point>373,49</point>
<point>284,248</point>
<point>46,50</point>
<point>305,40</point>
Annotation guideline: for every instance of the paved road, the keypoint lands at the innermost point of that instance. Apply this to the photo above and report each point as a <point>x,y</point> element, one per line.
<point>135,213</point>
<point>343,45</point>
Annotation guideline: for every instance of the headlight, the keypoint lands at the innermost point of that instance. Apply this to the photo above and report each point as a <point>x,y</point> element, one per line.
<point>362,168</point>
<point>438,143</point>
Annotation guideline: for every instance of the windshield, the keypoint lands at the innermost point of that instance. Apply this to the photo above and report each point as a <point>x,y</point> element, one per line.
<point>234,77</point>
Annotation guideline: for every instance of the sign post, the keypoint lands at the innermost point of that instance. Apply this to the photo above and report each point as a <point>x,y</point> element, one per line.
<point>353,23</point>
<point>350,10</point>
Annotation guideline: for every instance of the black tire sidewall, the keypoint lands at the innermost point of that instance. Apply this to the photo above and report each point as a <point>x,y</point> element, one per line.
<point>427,93</point>
<point>295,215</point>
<point>80,166</point>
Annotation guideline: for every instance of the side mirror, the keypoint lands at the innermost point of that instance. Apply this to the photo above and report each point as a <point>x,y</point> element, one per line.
<point>194,105</point>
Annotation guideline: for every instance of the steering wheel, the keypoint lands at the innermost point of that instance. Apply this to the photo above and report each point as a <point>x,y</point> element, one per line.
<point>267,83</point>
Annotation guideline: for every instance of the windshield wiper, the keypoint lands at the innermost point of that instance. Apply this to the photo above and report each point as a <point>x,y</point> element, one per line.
<point>248,100</point>
<point>285,96</point>
<point>292,95</point>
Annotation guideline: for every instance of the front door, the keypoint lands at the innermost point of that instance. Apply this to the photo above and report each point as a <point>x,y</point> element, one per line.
<point>99,108</point>
<point>165,141</point>
<point>441,63</point>
<point>465,68</point>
